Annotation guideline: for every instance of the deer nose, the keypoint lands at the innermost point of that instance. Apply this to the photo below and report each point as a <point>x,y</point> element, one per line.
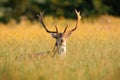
<point>62,40</point>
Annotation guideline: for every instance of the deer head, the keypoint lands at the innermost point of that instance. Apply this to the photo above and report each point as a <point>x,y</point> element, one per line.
<point>60,44</point>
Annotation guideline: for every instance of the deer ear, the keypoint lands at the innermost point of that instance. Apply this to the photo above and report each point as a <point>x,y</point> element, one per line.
<point>54,35</point>
<point>67,34</point>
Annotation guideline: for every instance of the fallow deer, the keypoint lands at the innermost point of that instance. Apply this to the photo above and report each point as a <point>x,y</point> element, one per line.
<point>60,44</point>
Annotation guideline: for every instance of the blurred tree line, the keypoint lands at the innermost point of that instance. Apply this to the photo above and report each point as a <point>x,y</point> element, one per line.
<point>14,9</point>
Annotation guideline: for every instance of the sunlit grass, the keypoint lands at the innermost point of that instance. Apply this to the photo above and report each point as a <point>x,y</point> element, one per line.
<point>93,51</point>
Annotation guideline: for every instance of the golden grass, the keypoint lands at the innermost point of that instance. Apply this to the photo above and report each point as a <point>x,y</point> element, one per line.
<point>93,51</point>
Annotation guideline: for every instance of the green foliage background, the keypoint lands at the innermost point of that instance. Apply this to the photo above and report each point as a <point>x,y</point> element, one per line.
<point>14,9</point>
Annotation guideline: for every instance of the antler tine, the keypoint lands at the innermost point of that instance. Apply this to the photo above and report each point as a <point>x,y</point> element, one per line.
<point>78,19</point>
<point>67,34</point>
<point>56,28</point>
<point>40,16</point>
<point>65,29</point>
<point>78,12</point>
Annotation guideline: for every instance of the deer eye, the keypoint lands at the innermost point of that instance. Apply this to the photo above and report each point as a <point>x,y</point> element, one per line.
<point>55,35</point>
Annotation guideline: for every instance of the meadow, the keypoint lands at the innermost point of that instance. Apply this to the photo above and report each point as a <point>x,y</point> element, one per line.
<point>93,50</point>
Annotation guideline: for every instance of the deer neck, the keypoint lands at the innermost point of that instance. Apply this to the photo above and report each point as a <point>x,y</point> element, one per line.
<point>61,43</point>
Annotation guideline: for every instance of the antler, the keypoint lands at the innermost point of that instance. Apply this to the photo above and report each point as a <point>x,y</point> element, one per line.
<point>65,29</point>
<point>56,28</point>
<point>40,16</point>
<point>67,34</point>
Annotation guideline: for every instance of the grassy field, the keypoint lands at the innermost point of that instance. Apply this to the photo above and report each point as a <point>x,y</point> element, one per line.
<point>93,51</point>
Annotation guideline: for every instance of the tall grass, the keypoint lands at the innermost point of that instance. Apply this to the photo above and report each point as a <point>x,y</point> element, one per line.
<point>93,51</point>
